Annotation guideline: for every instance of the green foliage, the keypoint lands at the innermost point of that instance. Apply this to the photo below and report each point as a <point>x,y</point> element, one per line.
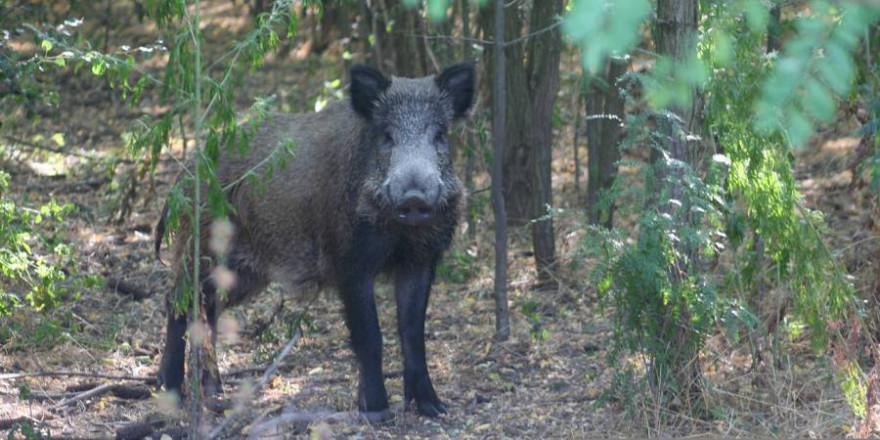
<point>756,107</point>
<point>26,431</point>
<point>633,277</point>
<point>36,263</point>
<point>530,309</point>
<point>457,266</point>
<point>815,67</point>
<point>671,81</point>
<point>603,28</point>
<point>436,8</point>
<point>762,192</point>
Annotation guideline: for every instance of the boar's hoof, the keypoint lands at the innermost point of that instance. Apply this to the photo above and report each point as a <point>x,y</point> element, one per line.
<point>431,408</point>
<point>378,417</point>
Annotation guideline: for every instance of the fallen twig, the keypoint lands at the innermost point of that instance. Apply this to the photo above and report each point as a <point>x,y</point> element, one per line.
<point>97,391</point>
<point>34,146</point>
<point>301,418</point>
<point>9,376</point>
<point>153,429</point>
<point>125,288</point>
<point>72,186</point>
<point>328,380</point>
<point>118,390</point>
<point>306,418</point>
<point>263,380</point>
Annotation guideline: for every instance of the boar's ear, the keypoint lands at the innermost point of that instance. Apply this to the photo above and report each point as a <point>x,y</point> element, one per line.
<point>458,82</point>
<point>367,84</point>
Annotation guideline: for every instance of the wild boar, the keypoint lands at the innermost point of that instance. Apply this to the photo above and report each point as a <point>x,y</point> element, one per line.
<point>371,188</point>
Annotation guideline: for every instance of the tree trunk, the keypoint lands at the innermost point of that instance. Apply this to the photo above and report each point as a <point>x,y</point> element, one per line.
<point>326,19</point>
<point>774,30</point>
<point>502,313</point>
<point>544,51</point>
<point>531,90</point>
<point>578,102</point>
<point>604,128</point>
<point>609,150</point>
<point>519,162</point>
<point>677,22</point>
<point>470,145</point>
<point>595,105</point>
<point>407,40</point>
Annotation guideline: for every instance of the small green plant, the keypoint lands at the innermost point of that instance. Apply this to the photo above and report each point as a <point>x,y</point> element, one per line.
<point>456,267</point>
<point>536,330</point>
<point>37,264</point>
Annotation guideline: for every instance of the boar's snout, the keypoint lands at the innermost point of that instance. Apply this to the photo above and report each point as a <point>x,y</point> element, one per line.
<point>414,204</point>
<point>414,210</point>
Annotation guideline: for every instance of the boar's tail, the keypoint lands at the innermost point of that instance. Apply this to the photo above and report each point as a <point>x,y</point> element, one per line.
<point>160,232</point>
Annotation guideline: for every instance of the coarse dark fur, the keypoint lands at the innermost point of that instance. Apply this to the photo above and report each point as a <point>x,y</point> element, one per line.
<point>371,188</point>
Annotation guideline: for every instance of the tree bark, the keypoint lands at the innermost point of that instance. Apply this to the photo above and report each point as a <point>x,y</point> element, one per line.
<point>502,313</point>
<point>519,163</point>
<point>531,85</point>
<point>609,150</point>
<point>543,67</point>
<point>408,48</point>
<point>605,110</point>
<point>470,146</point>
<point>595,105</point>
<point>677,22</point>
<point>774,29</point>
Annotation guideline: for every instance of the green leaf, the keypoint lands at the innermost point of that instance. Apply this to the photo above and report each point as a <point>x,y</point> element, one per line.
<point>799,128</point>
<point>602,28</point>
<point>818,101</point>
<point>437,10</point>
<point>756,15</point>
<point>99,67</point>
<point>46,45</point>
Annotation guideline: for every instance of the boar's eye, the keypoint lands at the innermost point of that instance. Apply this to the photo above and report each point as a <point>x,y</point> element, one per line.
<point>441,142</point>
<point>385,141</point>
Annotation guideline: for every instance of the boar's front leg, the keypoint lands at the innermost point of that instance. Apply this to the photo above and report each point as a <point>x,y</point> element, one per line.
<point>359,271</point>
<point>412,289</point>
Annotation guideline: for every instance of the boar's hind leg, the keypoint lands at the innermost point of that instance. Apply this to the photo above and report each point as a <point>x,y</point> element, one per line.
<point>247,281</point>
<point>369,250</point>
<point>211,384</point>
<point>174,354</point>
<point>412,289</point>
<point>171,369</point>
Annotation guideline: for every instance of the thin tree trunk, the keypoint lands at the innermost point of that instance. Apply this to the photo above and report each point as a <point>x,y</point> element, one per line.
<point>774,29</point>
<point>677,22</point>
<point>325,19</point>
<point>595,105</point>
<point>604,128</point>
<point>544,52</point>
<point>519,162</point>
<point>407,42</point>
<point>502,314</point>
<point>612,128</point>
<point>470,146</point>
<point>755,299</point>
<point>378,33</point>
<point>578,101</point>
<point>365,29</point>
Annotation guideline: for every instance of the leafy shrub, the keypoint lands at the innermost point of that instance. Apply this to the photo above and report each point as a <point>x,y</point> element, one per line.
<point>37,264</point>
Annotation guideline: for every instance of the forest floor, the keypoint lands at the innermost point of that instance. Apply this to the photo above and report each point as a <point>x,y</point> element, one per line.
<point>527,387</point>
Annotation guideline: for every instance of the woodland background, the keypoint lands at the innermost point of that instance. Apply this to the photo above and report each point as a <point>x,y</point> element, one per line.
<point>689,243</point>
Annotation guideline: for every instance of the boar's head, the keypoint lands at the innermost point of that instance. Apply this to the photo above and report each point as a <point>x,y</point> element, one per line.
<point>409,174</point>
